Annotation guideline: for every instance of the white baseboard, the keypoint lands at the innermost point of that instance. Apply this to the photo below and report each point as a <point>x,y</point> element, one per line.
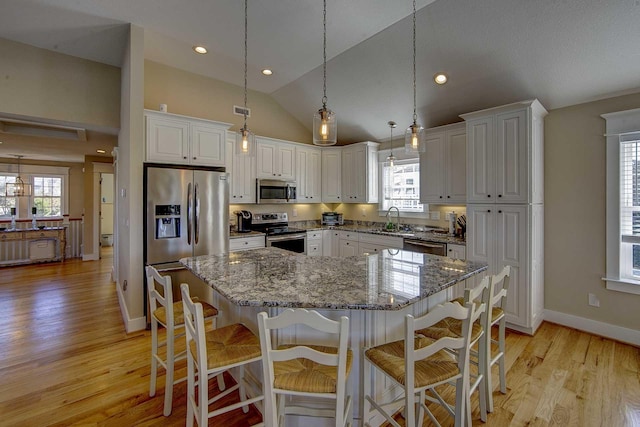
<point>618,333</point>
<point>131,325</point>
<point>90,257</point>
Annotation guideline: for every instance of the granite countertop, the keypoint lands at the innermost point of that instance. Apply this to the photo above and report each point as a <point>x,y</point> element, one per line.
<point>427,236</point>
<point>236,235</point>
<point>272,277</point>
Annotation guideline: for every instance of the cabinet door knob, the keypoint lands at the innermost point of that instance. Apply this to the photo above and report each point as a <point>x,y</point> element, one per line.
<point>499,211</point>
<point>499,195</point>
<point>441,197</point>
<point>448,197</point>
<point>185,157</point>
<point>488,195</point>
<point>489,210</point>
<point>194,158</point>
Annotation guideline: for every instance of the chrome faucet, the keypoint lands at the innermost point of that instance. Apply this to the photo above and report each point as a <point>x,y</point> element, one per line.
<point>397,217</point>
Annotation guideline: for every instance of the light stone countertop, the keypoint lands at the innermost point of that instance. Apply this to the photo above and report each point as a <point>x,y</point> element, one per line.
<point>272,277</point>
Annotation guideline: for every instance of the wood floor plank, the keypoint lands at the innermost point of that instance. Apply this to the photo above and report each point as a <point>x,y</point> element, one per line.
<point>65,360</point>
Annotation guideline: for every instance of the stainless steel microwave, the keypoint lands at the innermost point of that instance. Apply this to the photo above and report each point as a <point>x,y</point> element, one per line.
<point>275,191</point>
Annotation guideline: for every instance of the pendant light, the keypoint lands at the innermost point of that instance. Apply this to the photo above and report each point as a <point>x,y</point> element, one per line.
<point>245,139</point>
<point>388,167</point>
<point>413,138</point>
<point>325,124</point>
<point>18,188</point>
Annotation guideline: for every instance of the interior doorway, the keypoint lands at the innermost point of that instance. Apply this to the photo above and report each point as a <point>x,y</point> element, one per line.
<point>106,215</point>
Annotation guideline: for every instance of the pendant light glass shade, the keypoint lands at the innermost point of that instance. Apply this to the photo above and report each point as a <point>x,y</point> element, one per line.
<point>245,142</point>
<point>325,123</point>
<point>325,127</point>
<point>245,139</point>
<point>19,188</point>
<point>391,159</point>
<point>414,136</point>
<point>414,139</point>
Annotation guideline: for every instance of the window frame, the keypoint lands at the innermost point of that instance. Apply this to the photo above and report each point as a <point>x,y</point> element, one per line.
<point>401,156</point>
<point>27,172</point>
<point>618,125</point>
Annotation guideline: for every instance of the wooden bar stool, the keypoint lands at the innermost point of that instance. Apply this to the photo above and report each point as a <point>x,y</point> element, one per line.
<point>450,327</point>
<point>418,364</point>
<point>170,315</point>
<point>499,288</point>
<point>211,353</point>
<point>300,370</point>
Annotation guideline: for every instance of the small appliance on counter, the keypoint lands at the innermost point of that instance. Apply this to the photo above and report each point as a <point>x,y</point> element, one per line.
<point>243,221</point>
<point>332,218</point>
<point>452,218</point>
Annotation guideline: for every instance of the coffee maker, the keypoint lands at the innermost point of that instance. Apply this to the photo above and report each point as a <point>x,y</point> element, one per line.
<point>243,221</point>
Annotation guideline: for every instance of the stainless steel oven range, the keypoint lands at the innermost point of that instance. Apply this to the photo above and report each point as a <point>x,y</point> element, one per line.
<point>278,233</point>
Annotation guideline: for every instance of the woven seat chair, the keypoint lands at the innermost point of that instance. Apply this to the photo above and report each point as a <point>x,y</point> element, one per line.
<point>211,353</point>
<point>298,370</point>
<point>498,292</point>
<point>169,314</point>
<point>418,364</point>
<point>450,327</point>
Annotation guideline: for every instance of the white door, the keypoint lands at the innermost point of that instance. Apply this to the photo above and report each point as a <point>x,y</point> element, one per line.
<point>512,157</point>
<point>456,166</point>
<point>207,145</point>
<point>331,175</point>
<point>481,161</point>
<point>431,170</point>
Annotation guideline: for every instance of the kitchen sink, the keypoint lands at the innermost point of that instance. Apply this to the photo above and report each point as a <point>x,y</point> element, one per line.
<point>396,233</point>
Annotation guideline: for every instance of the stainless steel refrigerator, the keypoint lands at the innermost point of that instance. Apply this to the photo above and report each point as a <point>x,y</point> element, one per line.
<point>186,213</point>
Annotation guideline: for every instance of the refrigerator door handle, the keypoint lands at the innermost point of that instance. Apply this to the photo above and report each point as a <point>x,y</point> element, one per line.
<point>196,214</point>
<point>189,210</point>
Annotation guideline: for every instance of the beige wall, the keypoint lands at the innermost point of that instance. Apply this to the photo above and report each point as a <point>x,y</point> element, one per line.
<point>575,205</point>
<point>41,83</point>
<point>198,96</point>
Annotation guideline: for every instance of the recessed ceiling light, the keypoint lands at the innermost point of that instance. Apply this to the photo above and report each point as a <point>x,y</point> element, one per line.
<point>100,151</point>
<point>440,78</point>
<point>200,49</point>
<point>267,72</point>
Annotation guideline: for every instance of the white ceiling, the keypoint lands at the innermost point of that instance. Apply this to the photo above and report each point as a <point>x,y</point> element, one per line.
<point>562,52</point>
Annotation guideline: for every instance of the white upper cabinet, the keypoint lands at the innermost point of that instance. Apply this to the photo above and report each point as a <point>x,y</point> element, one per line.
<point>308,174</point>
<point>360,173</point>
<point>275,159</point>
<point>504,154</point>
<point>175,139</point>
<point>443,166</point>
<point>332,175</point>
<point>242,170</point>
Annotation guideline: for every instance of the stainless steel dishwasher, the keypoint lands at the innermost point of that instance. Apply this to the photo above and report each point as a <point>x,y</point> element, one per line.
<point>425,247</point>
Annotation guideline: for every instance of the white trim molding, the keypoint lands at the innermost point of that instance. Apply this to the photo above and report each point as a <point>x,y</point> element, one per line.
<point>130,325</point>
<point>627,286</point>
<point>606,330</point>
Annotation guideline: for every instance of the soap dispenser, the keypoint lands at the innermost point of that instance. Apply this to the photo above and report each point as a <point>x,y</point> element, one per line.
<point>13,218</point>
<point>34,224</point>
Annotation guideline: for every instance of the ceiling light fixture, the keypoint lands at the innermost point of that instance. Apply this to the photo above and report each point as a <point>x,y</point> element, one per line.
<point>325,124</point>
<point>200,49</point>
<point>18,188</point>
<point>388,168</point>
<point>245,139</point>
<point>440,78</point>
<point>413,140</point>
<point>267,72</point>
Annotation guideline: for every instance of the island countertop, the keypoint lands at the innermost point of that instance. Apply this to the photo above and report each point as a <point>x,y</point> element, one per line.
<point>272,277</point>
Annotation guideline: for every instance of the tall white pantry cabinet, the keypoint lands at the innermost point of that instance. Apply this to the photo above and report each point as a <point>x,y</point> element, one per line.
<point>505,202</point>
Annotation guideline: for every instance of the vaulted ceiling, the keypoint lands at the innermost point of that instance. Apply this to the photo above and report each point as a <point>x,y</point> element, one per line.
<point>562,52</point>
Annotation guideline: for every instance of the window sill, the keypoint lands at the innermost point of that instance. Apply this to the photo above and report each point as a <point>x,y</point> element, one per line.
<point>623,285</point>
<point>422,215</point>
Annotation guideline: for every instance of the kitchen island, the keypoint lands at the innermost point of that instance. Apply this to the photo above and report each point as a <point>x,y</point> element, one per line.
<point>375,291</point>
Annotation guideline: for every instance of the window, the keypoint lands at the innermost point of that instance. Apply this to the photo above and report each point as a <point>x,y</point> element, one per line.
<point>50,191</point>
<point>400,185</point>
<point>623,201</point>
<point>6,203</point>
<point>47,195</point>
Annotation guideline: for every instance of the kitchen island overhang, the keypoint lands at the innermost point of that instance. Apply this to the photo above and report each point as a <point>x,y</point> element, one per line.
<point>272,277</point>
<point>375,291</point>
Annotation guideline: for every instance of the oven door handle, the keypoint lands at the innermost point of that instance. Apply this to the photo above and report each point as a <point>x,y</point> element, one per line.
<point>287,237</point>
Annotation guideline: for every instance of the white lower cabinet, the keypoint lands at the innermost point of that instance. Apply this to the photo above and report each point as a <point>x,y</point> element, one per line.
<point>348,245</point>
<point>315,243</point>
<point>500,235</point>
<point>374,243</point>
<point>244,243</point>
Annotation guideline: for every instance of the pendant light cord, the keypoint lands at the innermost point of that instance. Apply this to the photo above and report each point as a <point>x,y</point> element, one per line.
<point>324,56</point>
<point>245,64</point>
<point>415,116</point>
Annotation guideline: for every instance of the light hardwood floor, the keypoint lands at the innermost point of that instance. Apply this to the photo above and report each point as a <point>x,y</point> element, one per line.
<point>66,360</point>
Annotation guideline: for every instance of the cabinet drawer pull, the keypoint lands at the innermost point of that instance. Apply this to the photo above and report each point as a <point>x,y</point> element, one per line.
<point>499,195</point>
